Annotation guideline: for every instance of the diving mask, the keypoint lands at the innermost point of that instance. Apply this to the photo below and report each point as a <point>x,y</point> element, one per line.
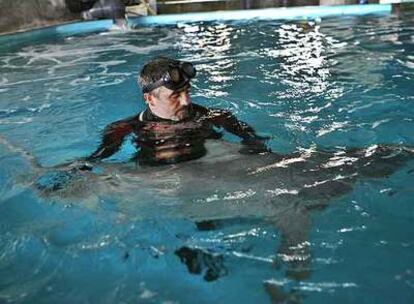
<point>178,75</point>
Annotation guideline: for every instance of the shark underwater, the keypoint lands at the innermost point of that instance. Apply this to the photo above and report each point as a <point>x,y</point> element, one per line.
<point>224,185</point>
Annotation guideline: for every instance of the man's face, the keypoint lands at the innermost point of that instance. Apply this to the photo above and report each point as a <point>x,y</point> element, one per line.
<point>168,104</point>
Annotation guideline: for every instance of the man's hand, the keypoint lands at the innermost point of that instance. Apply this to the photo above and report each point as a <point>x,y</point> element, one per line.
<point>254,146</point>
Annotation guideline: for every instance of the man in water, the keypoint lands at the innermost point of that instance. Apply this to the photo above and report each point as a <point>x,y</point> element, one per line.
<point>172,129</point>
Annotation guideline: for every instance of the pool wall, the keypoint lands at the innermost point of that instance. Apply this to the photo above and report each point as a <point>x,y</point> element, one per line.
<point>292,13</point>
<point>286,13</point>
<point>22,14</point>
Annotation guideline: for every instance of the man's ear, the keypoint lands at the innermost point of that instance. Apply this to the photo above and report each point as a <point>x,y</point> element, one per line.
<point>149,99</point>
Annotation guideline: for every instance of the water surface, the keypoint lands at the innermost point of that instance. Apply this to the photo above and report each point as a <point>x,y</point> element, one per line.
<point>331,84</point>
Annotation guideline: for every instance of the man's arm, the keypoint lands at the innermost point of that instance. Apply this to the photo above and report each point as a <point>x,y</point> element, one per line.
<point>112,139</point>
<point>252,142</point>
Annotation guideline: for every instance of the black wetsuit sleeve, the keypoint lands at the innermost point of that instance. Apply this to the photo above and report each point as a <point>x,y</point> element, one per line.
<point>252,143</point>
<point>112,139</point>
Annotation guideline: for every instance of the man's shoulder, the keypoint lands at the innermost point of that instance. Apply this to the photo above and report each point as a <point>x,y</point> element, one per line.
<point>200,109</point>
<point>210,111</point>
<point>127,123</point>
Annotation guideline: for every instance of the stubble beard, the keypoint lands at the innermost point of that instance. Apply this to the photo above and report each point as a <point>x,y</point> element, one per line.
<point>183,113</point>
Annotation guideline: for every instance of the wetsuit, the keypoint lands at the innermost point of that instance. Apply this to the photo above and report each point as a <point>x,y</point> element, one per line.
<point>162,141</point>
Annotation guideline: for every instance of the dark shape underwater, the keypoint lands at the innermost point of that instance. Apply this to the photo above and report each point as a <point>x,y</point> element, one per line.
<point>224,185</point>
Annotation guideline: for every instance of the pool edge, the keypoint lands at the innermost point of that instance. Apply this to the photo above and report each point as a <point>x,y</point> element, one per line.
<point>284,13</point>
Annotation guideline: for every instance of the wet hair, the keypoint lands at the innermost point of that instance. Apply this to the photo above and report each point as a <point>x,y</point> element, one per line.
<point>153,71</point>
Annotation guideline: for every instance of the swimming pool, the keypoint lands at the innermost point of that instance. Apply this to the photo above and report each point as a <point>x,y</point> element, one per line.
<point>331,82</point>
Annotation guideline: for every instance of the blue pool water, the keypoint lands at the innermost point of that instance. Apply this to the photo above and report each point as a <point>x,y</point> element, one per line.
<point>330,83</point>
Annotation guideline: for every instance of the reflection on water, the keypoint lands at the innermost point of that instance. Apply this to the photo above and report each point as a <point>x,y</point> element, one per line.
<point>210,47</point>
<point>302,228</point>
<point>302,52</point>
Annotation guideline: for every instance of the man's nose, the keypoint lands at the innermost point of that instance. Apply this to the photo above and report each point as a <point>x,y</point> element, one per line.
<point>185,99</point>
